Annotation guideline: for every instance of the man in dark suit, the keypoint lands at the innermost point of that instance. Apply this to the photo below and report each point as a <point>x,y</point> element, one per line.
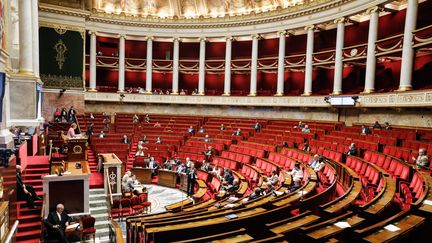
<point>191,178</point>
<point>56,223</point>
<point>25,192</point>
<point>71,114</point>
<point>125,139</point>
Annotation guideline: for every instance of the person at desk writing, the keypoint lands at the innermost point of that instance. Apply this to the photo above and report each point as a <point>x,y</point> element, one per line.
<point>56,224</point>
<point>71,131</point>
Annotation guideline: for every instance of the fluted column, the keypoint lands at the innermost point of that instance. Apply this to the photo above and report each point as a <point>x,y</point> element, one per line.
<point>25,35</point>
<point>175,66</point>
<point>92,86</point>
<point>121,67</point>
<point>337,81</point>
<point>228,48</point>
<point>281,64</point>
<point>371,58</point>
<point>35,32</point>
<point>254,65</point>
<point>149,64</point>
<point>201,71</point>
<point>309,53</point>
<point>407,48</point>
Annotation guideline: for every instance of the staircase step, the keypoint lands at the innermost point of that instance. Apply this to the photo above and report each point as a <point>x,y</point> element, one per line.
<point>95,210</point>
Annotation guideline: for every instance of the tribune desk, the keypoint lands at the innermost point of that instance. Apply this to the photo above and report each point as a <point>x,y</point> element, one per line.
<point>167,178</point>
<point>112,174</point>
<point>70,189</point>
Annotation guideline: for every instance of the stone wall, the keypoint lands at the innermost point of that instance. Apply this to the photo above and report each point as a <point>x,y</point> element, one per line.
<point>403,117</point>
<point>53,99</point>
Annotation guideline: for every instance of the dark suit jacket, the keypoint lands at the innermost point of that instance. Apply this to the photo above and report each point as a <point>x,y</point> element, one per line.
<point>20,184</point>
<point>53,219</point>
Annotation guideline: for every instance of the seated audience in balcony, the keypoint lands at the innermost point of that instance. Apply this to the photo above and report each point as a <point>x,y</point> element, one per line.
<point>158,140</point>
<point>57,115</point>
<point>135,119</point>
<point>376,125</point>
<point>306,129</point>
<point>352,150</point>
<point>101,134</point>
<point>140,90</point>
<point>56,224</point>
<point>320,165</point>
<point>315,161</point>
<point>71,131</point>
<point>191,130</point>
<point>161,92</point>
<point>125,139</point>
<point>207,139</point>
<point>296,173</point>
<point>257,127</point>
<point>233,189</point>
<point>422,160</point>
<point>201,130</point>
<point>64,115</point>
<point>300,125</point>
<point>256,194</point>
<point>157,124</point>
<point>130,90</point>
<point>206,166</point>
<point>222,127</point>
<point>182,92</point>
<point>365,130</point>
<point>92,116</point>
<point>387,126</point>
<point>306,147</point>
<point>272,180</point>
<point>71,114</point>
<point>125,179</point>
<point>24,191</point>
<point>147,118</point>
<point>195,92</point>
<point>237,132</point>
<point>167,92</point>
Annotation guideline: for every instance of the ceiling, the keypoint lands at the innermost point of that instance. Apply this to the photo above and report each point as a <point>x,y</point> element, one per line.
<point>191,8</point>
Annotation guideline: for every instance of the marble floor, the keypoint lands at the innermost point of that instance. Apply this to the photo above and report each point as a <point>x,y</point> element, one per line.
<point>159,197</point>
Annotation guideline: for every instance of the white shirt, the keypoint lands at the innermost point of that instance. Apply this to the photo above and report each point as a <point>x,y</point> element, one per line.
<point>59,216</point>
<point>296,174</point>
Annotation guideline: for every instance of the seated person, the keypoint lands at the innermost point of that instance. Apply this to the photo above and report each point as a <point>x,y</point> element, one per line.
<point>56,223</point>
<point>206,166</point>
<point>296,185</point>
<point>169,164</point>
<point>130,185</point>
<point>181,168</point>
<point>101,134</point>
<point>209,152</point>
<point>158,140</point>
<point>201,130</point>
<point>422,160</point>
<point>147,118</point>
<point>144,139</point>
<point>157,124</point>
<point>135,119</point>
<point>256,194</point>
<point>314,161</point>
<point>182,92</point>
<point>233,189</point>
<point>222,127</point>
<point>364,130</point>
<point>257,127</point>
<point>71,131</point>
<point>300,125</point>
<point>167,92</point>
<point>191,130</point>
<point>237,132</point>
<point>216,171</point>
<point>306,147</point>
<point>228,177</point>
<point>306,129</point>
<point>24,191</point>
<point>125,139</point>
<point>207,139</point>
<point>296,173</point>
<point>125,179</point>
<point>320,165</point>
<point>272,180</point>
<point>376,125</point>
<point>92,116</point>
<point>387,126</point>
<point>352,150</point>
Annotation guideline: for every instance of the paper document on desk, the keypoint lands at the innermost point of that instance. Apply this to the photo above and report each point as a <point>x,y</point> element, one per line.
<point>342,224</point>
<point>391,227</point>
<point>427,202</point>
<point>72,226</point>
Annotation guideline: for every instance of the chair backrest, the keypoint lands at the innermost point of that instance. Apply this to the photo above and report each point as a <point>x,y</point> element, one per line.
<point>143,197</point>
<point>88,222</point>
<point>125,202</point>
<point>135,200</point>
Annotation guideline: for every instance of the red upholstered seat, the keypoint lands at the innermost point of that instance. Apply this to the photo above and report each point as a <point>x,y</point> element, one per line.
<point>88,227</point>
<point>136,206</point>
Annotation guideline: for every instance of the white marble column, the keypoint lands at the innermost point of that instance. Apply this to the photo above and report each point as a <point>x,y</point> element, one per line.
<point>149,65</point>
<point>309,53</point>
<point>201,71</point>
<point>26,35</point>
<point>281,64</point>
<point>92,86</point>
<point>337,79</point>
<point>121,65</point>
<point>371,58</point>
<point>254,66</point>
<point>35,32</point>
<point>228,49</point>
<point>175,78</point>
<point>407,48</point>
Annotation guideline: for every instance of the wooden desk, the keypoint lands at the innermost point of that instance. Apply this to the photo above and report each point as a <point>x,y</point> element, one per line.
<point>293,224</point>
<point>329,230</point>
<point>405,224</point>
<point>143,175</point>
<point>167,178</point>
<point>71,168</point>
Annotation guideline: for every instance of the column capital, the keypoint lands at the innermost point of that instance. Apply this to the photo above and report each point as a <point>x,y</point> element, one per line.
<point>282,33</point>
<point>177,39</point>
<point>201,39</point>
<point>149,38</point>
<point>121,36</point>
<point>374,9</point>
<point>310,27</point>
<point>340,20</point>
<point>92,32</point>
<point>229,38</point>
<point>256,36</point>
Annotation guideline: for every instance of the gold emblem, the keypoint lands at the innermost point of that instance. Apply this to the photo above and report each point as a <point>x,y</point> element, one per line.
<point>77,149</point>
<point>61,49</point>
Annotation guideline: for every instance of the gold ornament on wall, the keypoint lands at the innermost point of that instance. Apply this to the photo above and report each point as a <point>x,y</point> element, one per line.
<point>61,49</point>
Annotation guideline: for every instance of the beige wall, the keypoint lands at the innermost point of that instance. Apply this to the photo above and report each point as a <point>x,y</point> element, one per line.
<point>407,117</point>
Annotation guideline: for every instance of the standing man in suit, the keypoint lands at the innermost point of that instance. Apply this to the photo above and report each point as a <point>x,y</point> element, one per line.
<point>25,192</point>
<point>56,224</point>
<point>191,178</point>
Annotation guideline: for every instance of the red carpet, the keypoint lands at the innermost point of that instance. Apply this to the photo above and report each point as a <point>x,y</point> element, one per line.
<point>96,180</point>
